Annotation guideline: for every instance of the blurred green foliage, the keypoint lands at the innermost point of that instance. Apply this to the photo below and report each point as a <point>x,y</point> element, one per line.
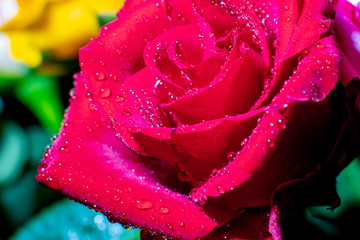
<point>70,220</point>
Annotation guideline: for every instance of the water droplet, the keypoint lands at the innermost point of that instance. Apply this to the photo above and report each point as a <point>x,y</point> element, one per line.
<point>70,181</point>
<point>170,226</point>
<point>126,113</point>
<point>220,189</point>
<point>42,167</point>
<point>181,176</point>
<point>270,143</point>
<point>119,98</point>
<point>71,92</point>
<point>100,76</point>
<point>53,183</point>
<point>53,137</point>
<point>89,129</point>
<point>63,149</point>
<point>319,45</point>
<point>286,7</point>
<point>276,210</point>
<point>243,48</point>
<point>144,204</point>
<point>231,156</point>
<point>281,123</point>
<point>105,92</point>
<point>276,44</point>
<point>244,142</point>
<point>181,223</point>
<point>164,210</point>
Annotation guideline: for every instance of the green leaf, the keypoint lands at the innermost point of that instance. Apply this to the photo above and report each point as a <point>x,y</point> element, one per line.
<point>69,220</point>
<point>338,221</point>
<point>105,18</point>
<point>18,198</point>
<point>13,151</point>
<point>42,96</point>
<point>38,138</point>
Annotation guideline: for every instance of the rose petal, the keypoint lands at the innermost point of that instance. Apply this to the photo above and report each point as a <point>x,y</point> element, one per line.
<point>199,148</point>
<point>273,154</point>
<point>204,147</point>
<point>178,11</point>
<point>302,31</point>
<point>117,55</point>
<point>224,16</point>
<point>286,18</point>
<point>128,188</point>
<point>316,74</point>
<point>254,156</point>
<point>166,56</point>
<point>228,95</point>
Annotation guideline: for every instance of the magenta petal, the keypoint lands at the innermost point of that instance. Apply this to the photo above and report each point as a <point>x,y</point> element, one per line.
<point>274,225</point>
<point>300,26</point>
<point>227,95</point>
<point>128,188</point>
<point>316,74</point>
<point>309,27</point>
<point>246,162</point>
<point>118,53</point>
<point>287,17</point>
<point>205,146</point>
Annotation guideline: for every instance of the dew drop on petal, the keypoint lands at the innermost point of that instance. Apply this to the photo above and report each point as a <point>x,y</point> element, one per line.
<point>170,226</point>
<point>231,156</point>
<point>100,76</point>
<point>119,98</point>
<point>281,123</point>
<point>164,210</point>
<point>105,92</point>
<point>270,143</point>
<point>220,189</point>
<point>144,204</point>
<point>181,223</point>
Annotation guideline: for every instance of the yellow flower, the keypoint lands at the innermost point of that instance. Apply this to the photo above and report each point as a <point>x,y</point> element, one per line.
<point>54,27</point>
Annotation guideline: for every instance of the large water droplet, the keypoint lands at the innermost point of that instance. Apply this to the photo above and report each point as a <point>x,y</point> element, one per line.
<point>164,210</point>
<point>144,204</point>
<point>100,76</point>
<point>119,98</point>
<point>231,156</point>
<point>105,92</point>
<point>170,226</point>
<point>181,223</point>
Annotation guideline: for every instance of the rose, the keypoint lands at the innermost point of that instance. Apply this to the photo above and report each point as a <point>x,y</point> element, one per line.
<point>347,24</point>
<point>221,104</point>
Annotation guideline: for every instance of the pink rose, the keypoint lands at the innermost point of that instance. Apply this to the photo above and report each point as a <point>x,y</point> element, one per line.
<point>202,119</point>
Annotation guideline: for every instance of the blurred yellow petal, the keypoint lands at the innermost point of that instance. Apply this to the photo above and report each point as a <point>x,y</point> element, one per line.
<point>23,50</point>
<point>64,28</point>
<point>28,12</point>
<point>104,5</point>
<point>9,66</point>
